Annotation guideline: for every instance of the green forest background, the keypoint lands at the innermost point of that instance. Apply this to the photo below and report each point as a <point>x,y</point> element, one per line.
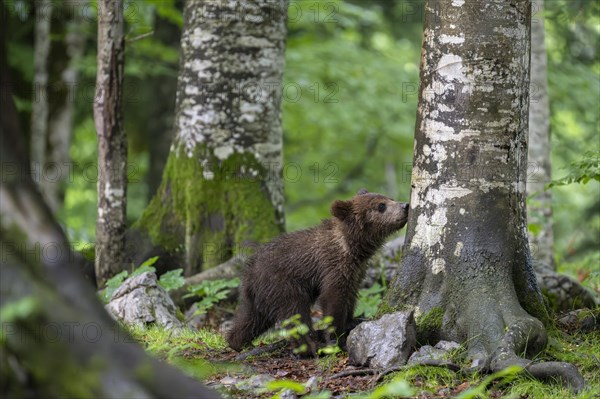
<point>349,108</point>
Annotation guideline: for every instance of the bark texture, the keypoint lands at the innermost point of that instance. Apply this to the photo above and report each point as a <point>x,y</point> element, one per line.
<point>539,209</point>
<point>222,187</point>
<point>112,142</point>
<point>466,268</point>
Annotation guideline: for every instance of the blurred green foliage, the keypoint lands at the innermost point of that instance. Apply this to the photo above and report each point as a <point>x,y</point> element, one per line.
<point>349,105</point>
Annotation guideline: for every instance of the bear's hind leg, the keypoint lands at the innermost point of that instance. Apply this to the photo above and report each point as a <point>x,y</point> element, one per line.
<point>247,325</point>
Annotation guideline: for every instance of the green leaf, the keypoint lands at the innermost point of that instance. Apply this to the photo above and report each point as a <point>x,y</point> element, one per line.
<point>329,350</point>
<point>286,384</point>
<point>172,280</point>
<point>149,262</point>
<point>394,388</point>
<point>368,301</point>
<point>480,389</point>
<point>534,228</point>
<point>112,284</point>
<point>211,292</point>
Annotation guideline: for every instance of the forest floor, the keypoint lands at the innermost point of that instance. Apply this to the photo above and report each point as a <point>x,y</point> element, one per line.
<point>282,374</point>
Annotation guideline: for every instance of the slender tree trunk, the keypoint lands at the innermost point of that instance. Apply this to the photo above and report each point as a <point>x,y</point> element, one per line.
<point>64,77</point>
<point>466,268</point>
<point>539,209</point>
<point>222,188</point>
<point>112,142</point>
<point>39,103</point>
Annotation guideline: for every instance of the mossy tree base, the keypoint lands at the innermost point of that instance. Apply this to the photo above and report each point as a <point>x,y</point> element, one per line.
<point>206,214</point>
<point>222,189</point>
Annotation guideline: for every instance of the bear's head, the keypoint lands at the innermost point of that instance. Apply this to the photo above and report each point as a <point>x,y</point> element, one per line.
<point>371,213</point>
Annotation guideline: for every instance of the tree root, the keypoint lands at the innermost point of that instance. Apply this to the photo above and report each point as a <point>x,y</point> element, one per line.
<point>527,332</point>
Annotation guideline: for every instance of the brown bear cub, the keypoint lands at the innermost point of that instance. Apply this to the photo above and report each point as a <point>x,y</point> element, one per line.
<point>325,263</point>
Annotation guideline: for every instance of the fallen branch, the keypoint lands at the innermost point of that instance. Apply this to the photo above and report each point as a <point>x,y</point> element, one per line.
<point>262,349</point>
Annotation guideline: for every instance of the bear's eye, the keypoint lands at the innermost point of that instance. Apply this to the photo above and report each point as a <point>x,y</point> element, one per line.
<point>381,207</point>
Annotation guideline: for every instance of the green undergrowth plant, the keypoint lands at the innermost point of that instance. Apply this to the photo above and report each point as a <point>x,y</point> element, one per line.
<point>211,292</point>
<point>186,349</point>
<point>292,329</point>
<point>396,388</point>
<point>393,389</point>
<point>428,378</point>
<point>170,280</point>
<point>165,343</point>
<point>581,349</point>
<point>368,301</point>
<point>481,389</point>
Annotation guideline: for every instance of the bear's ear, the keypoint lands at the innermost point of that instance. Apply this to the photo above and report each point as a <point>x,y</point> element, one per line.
<point>362,191</point>
<point>341,209</point>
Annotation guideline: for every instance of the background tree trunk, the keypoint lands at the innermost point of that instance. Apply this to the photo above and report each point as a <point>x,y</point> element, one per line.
<point>64,77</point>
<point>466,268</point>
<point>539,209</point>
<point>222,187</point>
<point>39,101</point>
<point>160,127</point>
<point>112,142</point>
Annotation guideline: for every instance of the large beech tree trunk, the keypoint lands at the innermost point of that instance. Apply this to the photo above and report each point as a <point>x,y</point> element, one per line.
<point>56,339</point>
<point>222,187</point>
<point>112,142</point>
<point>466,267</point>
<point>539,206</point>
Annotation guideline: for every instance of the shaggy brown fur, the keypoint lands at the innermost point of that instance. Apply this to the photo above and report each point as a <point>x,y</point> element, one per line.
<point>325,263</point>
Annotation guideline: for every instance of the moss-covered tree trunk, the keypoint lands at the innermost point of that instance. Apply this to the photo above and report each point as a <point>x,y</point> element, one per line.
<point>539,206</point>
<point>222,187</point>
<point>466,267</point>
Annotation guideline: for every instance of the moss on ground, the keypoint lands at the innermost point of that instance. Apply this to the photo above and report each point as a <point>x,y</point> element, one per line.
<point>190,349</point>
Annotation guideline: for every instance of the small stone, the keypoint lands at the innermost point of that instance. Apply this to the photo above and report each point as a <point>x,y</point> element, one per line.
<point>255,382</point>
<point>426,352</point>
<point>478,364</point>
<point>447,345</point>
<point>229,380</point>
